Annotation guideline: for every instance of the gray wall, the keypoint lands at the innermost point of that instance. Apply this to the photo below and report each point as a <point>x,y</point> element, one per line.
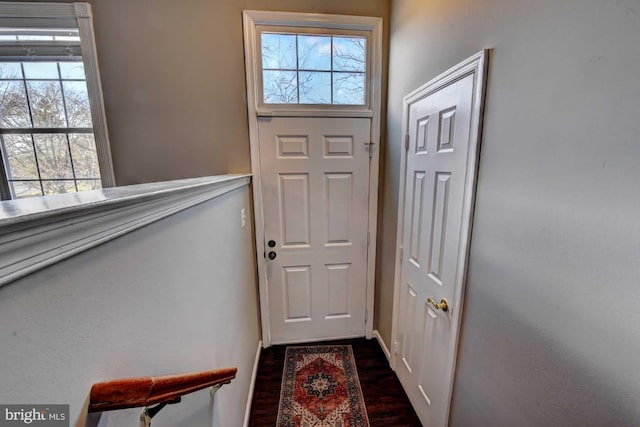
<point>174,82</point>
<point>176,296</point>
<point>551,330</point>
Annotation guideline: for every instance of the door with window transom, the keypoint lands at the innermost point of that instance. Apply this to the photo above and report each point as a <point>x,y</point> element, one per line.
<point>314,98</point>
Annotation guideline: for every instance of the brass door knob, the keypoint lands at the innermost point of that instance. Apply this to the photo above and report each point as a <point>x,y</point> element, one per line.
<point>442,305</point>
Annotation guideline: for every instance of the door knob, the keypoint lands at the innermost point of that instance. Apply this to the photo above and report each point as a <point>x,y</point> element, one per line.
<point>442,305</point>
<point>272,255</point>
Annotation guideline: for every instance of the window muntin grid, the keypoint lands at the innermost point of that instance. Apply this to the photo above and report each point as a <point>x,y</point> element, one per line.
<point>313,69</point>
<point>46,132</point>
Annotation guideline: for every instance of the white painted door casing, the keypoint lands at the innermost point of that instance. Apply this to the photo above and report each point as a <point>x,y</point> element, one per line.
<point>443,121</point>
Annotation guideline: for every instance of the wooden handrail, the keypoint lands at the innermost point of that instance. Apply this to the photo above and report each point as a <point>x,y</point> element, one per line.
<point>145,391</point>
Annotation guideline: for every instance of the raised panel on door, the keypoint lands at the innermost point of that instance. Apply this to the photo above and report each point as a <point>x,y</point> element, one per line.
<point>416,209</point>
<point>422,136</point>
<point>428,370</point>
<point>437,235</point>
<point>446,127</point>
<point>338,147</point>
<point>297,293</point>
<point>293,147</point>
<point>408,307</point>
<point>338,287</point>
<point>294,210</point>
<point>338,197</point>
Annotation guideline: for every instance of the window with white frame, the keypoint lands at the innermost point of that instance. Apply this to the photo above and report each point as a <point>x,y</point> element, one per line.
<point>313,68</point>
<point>47,133</point>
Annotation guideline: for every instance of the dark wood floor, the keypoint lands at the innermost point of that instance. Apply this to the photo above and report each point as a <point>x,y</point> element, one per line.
<point>386,402</point>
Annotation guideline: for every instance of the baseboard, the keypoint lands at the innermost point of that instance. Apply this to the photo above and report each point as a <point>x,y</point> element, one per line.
<point>385,349</point>
<point>254,374</point>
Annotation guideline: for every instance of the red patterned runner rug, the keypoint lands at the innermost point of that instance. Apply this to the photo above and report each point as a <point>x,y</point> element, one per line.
<point>320,388</point>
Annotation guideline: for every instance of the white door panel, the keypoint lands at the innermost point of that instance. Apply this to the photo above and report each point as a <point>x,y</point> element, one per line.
<point>315,181</point>
<point>438,170</point>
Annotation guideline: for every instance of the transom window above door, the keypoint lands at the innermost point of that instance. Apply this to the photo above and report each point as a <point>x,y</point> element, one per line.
<point>317,69</point>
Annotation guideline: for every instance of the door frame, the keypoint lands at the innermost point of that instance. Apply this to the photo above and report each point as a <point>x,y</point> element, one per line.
<point>373,27</point>
<point>476,65</point>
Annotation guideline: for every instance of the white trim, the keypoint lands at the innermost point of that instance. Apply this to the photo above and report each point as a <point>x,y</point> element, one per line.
<point>309,111</point>
<point>252,385</point>
<point>373,25</point>
<point>94,87</point>
<point>374,167</point>
<point>476,65</point>
<point>250,55</point>
<point>383,345</point>
<point>33,235</point>
<point>358,25</point>
<point>312,20</point>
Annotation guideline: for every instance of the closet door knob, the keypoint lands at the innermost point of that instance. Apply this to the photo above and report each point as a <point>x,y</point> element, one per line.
<point>442,305</point>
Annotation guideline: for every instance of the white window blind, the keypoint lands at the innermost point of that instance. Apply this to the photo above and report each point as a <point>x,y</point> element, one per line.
<point>31,43</point>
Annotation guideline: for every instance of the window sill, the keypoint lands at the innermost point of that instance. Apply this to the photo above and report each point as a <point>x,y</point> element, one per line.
<point>41,231</point>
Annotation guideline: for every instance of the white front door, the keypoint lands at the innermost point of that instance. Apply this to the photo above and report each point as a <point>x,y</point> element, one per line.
<point>439,184</point>
<point>315,189</point>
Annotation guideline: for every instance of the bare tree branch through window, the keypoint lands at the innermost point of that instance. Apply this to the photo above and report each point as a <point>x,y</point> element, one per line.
<point>313,69</point>
<point>46,130</point>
